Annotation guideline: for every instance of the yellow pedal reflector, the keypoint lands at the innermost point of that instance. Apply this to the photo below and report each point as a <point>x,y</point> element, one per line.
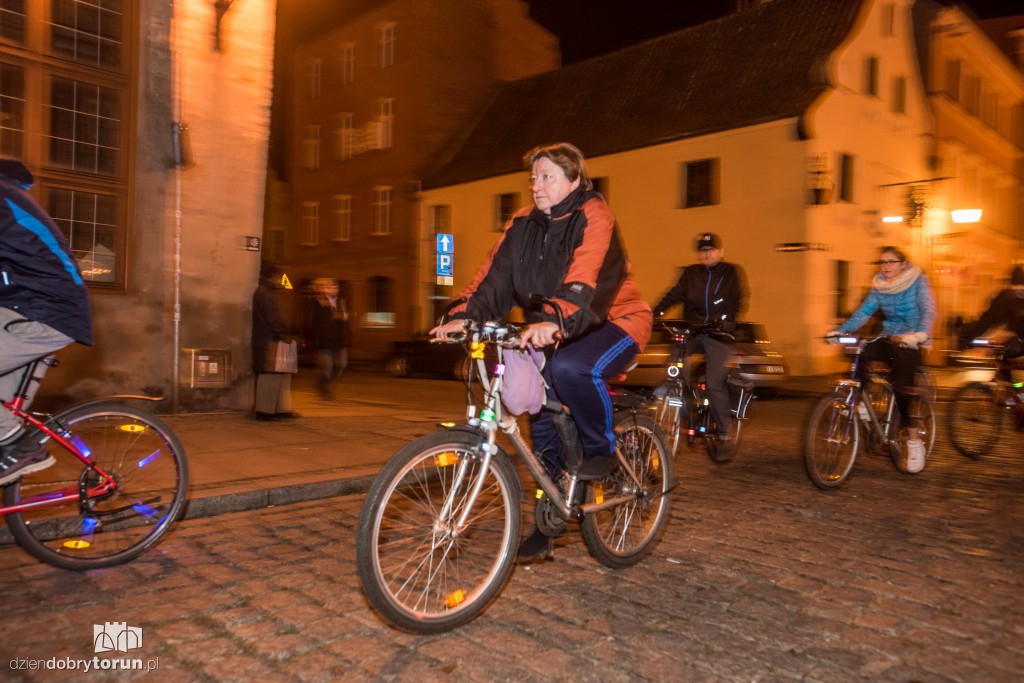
<point>477,349</point>
<point>132,427</point>
<point>456,598</point>
<point>77,544</point>
<point>446,459</point>
<point>599,493</point>
<point>540,494</point>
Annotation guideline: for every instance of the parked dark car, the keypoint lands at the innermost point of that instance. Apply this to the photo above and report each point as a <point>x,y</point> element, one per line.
<point>757,360</point>
<point>420,357</point>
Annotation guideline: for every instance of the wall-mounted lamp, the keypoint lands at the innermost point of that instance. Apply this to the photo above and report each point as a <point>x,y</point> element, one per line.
<point>966,215</point>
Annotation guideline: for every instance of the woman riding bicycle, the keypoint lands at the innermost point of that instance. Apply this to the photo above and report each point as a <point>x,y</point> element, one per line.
<point>566,247</point>
<point>902,292</point>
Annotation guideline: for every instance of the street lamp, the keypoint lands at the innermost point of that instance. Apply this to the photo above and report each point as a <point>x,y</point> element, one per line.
<point>965,215</point>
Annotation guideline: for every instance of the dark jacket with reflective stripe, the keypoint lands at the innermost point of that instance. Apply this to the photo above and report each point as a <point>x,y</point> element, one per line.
<point>708,295</point>
<point>39,276</point>
<point>574,256</point>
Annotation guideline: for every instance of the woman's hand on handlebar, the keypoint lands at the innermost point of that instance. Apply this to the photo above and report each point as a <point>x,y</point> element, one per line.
<point>449,329</point>
<point>539,335</point>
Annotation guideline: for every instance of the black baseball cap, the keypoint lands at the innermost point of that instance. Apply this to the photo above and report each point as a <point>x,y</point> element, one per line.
<point>708,240</point>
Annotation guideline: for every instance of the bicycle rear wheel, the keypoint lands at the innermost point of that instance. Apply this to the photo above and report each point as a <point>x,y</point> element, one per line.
<point>148,464</point>
<point>831,441</point>
<point>975,419</point>
<point>419,572</point>
<point>670,415</point>
<point>622,535</point>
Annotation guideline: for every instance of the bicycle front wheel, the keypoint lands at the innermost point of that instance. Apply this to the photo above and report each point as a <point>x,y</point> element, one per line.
<point>622,535</point>
<point>670,415</point>
<point>831,442</point>
<point>150,471</point>
<point>975,419</point>
<point>421,570</point>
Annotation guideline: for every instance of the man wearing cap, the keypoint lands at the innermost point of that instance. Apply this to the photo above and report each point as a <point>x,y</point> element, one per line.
<point>712,294</point>
<point>44,306</point>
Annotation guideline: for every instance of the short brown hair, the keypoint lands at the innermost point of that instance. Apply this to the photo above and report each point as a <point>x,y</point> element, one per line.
<point>567,157</point>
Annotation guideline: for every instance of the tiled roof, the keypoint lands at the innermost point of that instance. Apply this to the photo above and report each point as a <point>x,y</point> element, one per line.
<point>753,67</point>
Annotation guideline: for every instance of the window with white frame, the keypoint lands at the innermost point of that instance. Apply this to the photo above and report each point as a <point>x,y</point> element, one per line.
<point>385,119</point>
<point>871,76</point>
<point>505,206</point>
<point>846,170</point>
<point>899,95</point>
<point>382,210</point>
<point>67,81</point>
<point>315,70</point>
<point>310,235</point>
<point>311,147</point>
<point>347,62</point>
<point>699,183</point>
<point>380,301</point>
<point>386,44</point>
<point>342,217</point>
<point>440,218</point>
<point>343,136</point>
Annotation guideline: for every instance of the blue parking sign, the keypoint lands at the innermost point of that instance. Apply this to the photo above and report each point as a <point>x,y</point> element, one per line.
<point>445,263</point>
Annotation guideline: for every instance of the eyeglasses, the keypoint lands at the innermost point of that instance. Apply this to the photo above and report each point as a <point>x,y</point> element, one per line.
<point>888,263</point>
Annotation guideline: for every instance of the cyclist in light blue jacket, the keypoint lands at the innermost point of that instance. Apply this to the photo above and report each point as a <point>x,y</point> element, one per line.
<point>902,292</point>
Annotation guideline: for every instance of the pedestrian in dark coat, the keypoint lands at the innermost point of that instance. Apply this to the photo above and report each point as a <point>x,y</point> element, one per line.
<point>328,333</point>
<point>273,389</point>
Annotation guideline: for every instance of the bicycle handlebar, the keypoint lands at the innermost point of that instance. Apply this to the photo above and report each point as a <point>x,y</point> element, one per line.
<point>683,332</point>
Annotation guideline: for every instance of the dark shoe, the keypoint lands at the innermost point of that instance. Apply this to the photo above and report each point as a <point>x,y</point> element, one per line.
<point>536,548</point>
<point>286,416</point>
<point>596,467</point>
<point>22,457</point>
<point>264,417</point>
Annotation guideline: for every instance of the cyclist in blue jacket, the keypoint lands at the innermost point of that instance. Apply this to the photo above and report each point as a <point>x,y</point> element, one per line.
<point>44,306</point>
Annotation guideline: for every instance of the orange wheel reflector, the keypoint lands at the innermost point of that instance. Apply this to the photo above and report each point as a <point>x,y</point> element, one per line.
<point>456,598</point>
<point>77,545</point>
<point>446,459</point>
<point>132,427</point>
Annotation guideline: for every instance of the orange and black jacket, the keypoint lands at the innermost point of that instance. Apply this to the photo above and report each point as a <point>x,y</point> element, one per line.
<point>575,256</point>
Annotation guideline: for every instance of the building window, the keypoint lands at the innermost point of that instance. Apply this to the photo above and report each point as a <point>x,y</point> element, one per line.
<point>440,217</point>
<point>380,301</point>
<point>85,127</point>
<point>347,63</point>
<point>953,79</point>
<point>315,68</point>
<point>871,76</point>
<point>845,178</point>
<point>311,147</point>
<point>88,32</point>
<point>343,136</point>
<point>386,44</point>
<point>12,21</point>
<point>382,210</point>
<point>842,290</point>
<point>699,183</point>
<point>89,221</point>
<point>66,87</point>
<point>385,120</point>
<point>888,15</point>
<point>505,205</point>
<point>342,217</point>
<point>12,110</point>
<point>899,95</point>
<point>310,235</point>
<point>972,94</point>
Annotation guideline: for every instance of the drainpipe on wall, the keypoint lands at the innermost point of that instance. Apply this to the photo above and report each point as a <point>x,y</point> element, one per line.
<point>179,161</point>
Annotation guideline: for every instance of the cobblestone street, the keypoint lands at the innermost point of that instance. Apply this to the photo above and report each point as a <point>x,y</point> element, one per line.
<point>759,576</point>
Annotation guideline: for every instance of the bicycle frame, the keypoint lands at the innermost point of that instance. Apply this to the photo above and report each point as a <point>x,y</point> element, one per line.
<point>492,418</point>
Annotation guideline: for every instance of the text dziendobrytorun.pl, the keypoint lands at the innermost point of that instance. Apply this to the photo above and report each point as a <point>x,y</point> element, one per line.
<point>86,665</point>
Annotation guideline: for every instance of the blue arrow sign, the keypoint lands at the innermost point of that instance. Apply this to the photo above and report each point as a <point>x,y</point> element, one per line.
<point>445,243</point>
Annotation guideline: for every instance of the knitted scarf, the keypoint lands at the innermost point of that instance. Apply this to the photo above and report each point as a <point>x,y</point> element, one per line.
<point>899,283</point>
